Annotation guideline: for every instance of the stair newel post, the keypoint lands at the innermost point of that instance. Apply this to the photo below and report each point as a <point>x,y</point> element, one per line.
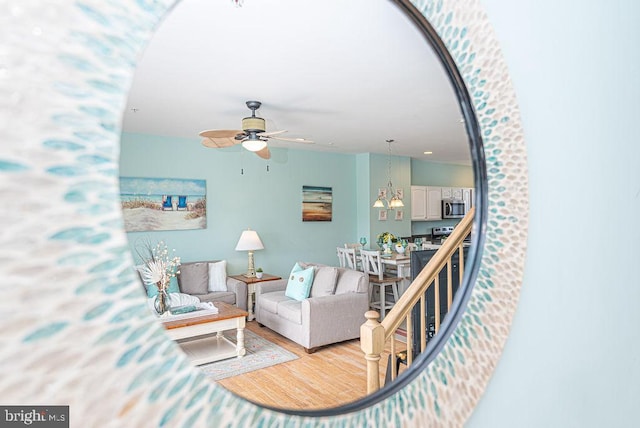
<point>372,344</point>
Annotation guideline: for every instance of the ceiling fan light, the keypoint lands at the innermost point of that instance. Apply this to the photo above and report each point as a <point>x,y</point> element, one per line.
<point>254,145</point>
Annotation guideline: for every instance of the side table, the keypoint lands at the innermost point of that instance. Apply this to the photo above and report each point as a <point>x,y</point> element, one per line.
<point>251,289</point>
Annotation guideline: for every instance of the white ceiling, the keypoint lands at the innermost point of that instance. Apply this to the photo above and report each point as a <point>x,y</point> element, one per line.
<point>347,74</point>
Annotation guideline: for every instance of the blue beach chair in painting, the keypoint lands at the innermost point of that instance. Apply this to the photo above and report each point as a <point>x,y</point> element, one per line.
<point>182,203</point>
<point>166,203</point>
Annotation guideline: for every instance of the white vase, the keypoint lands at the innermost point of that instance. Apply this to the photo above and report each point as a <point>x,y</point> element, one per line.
<point>400,249</point>
<point>259,275</point>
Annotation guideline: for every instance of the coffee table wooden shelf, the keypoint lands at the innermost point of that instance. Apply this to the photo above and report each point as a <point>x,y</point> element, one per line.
<point>200,336</point>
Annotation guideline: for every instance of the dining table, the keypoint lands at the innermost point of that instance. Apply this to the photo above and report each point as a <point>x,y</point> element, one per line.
<point>401,263</point>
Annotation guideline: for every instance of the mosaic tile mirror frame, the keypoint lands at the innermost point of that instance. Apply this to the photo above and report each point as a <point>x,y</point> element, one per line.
<point>75,327</point>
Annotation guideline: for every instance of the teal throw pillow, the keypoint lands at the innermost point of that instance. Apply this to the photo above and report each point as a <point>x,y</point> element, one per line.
<point>152,289</point>
<point>299,284</point>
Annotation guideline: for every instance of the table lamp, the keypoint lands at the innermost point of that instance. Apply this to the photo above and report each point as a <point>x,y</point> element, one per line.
<point>250,241</point>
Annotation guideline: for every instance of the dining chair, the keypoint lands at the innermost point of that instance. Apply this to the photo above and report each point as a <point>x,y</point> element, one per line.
<point>347,258</point>
<point>356,246</point>
<point>372,265</point>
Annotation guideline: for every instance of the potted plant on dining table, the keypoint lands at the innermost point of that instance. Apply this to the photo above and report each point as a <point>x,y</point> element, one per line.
<point>386,241</point>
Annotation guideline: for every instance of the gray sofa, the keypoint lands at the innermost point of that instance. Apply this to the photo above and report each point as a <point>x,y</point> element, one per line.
<point>193,279</point>
<point>331,314</point>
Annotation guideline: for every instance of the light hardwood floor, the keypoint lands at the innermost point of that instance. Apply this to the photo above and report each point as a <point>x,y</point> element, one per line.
<point>332,376</point>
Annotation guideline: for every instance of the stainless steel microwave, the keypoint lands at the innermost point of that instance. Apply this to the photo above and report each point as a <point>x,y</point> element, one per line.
<point>453,208</point>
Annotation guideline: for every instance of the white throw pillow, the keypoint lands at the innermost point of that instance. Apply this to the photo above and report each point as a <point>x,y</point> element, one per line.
<point>218,276</point>
<point>180,299</point>
<point>175,301</point>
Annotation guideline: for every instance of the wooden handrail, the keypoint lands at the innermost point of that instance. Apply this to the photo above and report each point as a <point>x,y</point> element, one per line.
<point>374,334</point>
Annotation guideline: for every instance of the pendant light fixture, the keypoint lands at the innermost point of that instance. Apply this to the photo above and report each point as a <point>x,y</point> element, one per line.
<point>395,201</point>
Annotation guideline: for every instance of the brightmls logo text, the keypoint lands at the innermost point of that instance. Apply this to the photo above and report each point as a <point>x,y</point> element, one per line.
<point>36,416</point>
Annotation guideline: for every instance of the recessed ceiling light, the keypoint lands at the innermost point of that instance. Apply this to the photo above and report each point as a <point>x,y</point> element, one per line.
<point>428,153</point>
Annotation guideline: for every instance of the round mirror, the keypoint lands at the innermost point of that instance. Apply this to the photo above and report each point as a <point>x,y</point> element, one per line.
<point>348,85</point>
<point>71,63</point>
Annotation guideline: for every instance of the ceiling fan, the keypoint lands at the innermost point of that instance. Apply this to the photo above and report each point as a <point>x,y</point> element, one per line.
<point>252,136</point>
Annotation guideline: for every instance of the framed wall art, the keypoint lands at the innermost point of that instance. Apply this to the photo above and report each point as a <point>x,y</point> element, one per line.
<point>150,204</point>
<point>317,203</point>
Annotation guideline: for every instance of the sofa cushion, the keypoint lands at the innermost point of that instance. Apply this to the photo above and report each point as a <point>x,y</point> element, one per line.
<point>324,281</point>
<point>219,296</point>
<point>269,301</point>
<point>194,278</point>
<point>180,299</point>
<point>299,284</point>
<point>350,281</point>
<point>218,276</point>
<point>291,310</point>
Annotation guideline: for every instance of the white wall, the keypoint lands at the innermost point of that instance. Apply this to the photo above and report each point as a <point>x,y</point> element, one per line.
<point>573,357</point>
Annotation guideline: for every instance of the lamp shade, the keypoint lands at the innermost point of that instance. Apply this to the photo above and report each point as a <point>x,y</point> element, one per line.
<point>254,145</point>
<point>396,202</point>
<point>249,241</point>
<point>378,203</point>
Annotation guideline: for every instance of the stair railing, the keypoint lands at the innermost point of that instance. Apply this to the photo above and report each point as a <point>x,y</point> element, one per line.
<point>374,335</point>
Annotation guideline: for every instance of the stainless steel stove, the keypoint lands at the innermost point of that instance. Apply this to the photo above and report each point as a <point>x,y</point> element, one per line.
<point>444,231</point>
<point>441,233</point>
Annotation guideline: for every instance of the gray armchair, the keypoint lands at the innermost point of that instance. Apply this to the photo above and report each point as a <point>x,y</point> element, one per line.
<point>333,312</point>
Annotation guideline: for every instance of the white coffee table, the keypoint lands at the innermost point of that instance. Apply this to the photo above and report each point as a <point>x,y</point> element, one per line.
<point>193,332</point>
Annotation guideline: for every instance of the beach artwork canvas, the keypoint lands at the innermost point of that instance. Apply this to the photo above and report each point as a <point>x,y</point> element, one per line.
<point>317,203</point>
<point>163,203</point>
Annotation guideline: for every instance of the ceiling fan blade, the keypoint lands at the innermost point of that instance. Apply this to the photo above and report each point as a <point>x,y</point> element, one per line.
<point>292,140</point>
<point>272,133</point>
<point>264,153</point>
<point>220,133</point>
<point>216,143</point>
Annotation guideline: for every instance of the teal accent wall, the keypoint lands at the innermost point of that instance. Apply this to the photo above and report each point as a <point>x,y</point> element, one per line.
<point>424,173</point>
<point>242,194</point>
<point>363,166</point>
<point>245,191</point>
<point>401,179</point>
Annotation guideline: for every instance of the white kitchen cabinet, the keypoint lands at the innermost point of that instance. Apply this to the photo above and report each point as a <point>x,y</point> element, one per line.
<point>418,202</point>
<point>467,197</point>
<point>434,203</point>
<point>426,203</point>
<point>452,192</point>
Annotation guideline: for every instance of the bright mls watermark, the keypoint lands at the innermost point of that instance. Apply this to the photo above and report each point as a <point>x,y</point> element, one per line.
<point>36,416</point>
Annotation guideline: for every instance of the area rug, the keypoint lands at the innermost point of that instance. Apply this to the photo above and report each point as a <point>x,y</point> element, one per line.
<point>260,354</point>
